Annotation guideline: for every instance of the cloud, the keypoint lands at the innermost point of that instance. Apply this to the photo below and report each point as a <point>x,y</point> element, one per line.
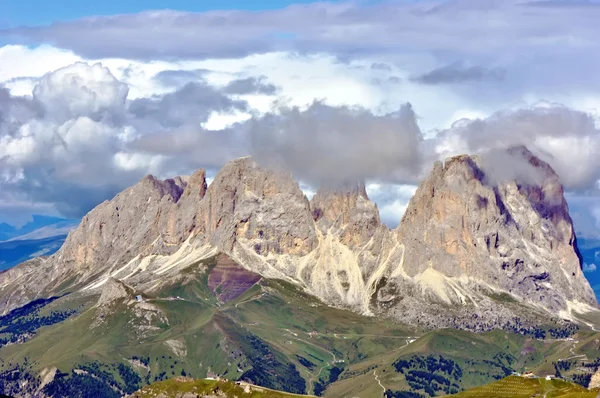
<point>251,85</point>
<point>458,73</point>
<point>344,28</point>
<point>392,200</point>
<point>179,78</point>
<point>589,267</point>
<point>81,90</point>
<point>190,104</point>
<point>78,140</point>
<point>563,3</point>
<point>566,138</point>
<point>381,66</point>
<point>332,145</point>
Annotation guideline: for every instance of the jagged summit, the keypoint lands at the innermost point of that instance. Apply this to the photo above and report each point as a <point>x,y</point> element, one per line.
<point>348,211</point>
<point>513,236</point>
<point>471,233</point>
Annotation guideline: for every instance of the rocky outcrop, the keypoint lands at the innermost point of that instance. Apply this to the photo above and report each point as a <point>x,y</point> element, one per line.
<point>476,248</point>
<point>113,291</point>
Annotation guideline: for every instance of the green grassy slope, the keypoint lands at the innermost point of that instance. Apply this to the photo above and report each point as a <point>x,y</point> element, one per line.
<point>273,335</point>
<point>173,387</point>
<point>518,387</point>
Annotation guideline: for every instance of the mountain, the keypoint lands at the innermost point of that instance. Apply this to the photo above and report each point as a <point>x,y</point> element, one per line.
<point>249,280</point>
<point>39,227</point>
<point>497,253</point>
<point>42,236</point>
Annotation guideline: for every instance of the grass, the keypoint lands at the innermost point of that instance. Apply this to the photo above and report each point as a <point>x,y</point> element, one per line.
<point>514,386</point>
<point>180,386</point>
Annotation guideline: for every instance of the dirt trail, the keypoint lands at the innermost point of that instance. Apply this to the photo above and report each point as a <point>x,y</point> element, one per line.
<point>379,381</point>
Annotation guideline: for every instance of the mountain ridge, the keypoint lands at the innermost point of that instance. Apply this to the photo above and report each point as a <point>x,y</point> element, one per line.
<point>335,246</point>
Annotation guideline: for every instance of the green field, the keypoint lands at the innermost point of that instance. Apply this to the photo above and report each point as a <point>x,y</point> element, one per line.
<point>517,387</point>
<point>172,388</point>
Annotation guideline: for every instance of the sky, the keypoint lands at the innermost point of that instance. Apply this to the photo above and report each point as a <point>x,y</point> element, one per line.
<point>95,95</point>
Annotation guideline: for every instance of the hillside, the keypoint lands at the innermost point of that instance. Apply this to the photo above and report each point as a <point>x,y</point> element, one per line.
<point>180,386</point>
<point>514,386</point>
<point>217,319</point>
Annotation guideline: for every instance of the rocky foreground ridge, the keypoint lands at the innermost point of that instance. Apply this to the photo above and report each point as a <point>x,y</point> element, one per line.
<point>470,251</point>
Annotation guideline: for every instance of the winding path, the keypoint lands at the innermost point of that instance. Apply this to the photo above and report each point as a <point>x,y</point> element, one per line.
<point>379,381</point>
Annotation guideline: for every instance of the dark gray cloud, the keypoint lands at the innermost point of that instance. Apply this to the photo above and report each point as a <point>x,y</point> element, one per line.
<point>337,145</point>
<point>458,73</point>
<point>381,66</point>
<point>465,27</point>
<point>191,104</point>
<point>179,78</point>
<point>193,147</point>
<point>251,85</point>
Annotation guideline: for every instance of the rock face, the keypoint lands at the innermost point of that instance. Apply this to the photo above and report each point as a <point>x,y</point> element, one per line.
<point>475,249</point>
<point>512,236</point>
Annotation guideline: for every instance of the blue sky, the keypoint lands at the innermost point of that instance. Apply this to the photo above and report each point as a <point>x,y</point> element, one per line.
<point>39,12</point>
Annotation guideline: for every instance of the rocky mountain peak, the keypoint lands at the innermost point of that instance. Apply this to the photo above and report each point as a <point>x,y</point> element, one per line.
<point>467,220</point>
<point>472,230</point>
<point>196,185</point>
<point>346,211</point>
<point>254,204</point>
<point>172,187</point>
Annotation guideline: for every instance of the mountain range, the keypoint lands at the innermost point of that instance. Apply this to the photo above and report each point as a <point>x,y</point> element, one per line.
<point>250,279</point>
<point>42,236</point>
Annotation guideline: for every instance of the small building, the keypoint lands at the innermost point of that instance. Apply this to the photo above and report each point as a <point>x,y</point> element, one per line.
<point>528,375</point>
<point>138,298</point>
<point>549,377</point>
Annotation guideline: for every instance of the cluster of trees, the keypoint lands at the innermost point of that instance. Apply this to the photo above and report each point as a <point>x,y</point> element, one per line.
<point>568,329</point>
<point>430,382</point>
<point>563,366</point>
<point>129,381</point>
<point>431,364</point>
<point>430,374</point>
<point>582,379</point>
<point>22,322</point>
<point>269,368</point>
<point>321,385</point>
<point>563,332</point>
<point>306,363</point>
<point>18,380</point>
<point>143,360</point>
<point>79,385</point>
